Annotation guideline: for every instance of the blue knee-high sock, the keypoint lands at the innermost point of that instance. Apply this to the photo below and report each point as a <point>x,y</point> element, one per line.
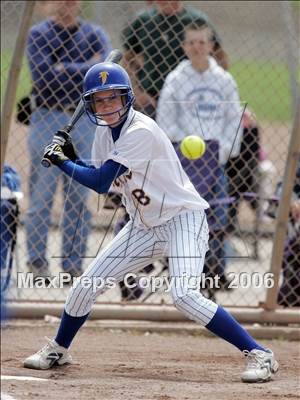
<point>68,328</point>
<point>226,327</point>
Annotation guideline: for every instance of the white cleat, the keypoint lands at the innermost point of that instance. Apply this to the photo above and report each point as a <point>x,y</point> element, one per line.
<point>50,355</point>
<point>260,365</point>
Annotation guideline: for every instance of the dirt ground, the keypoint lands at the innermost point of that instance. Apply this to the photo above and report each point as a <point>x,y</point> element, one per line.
<point>114,364</point>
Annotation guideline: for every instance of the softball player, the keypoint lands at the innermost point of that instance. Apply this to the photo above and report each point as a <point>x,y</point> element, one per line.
<point>167,218</point>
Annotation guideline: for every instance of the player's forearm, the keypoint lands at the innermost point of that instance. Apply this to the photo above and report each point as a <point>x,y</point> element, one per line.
<point>98,179</point>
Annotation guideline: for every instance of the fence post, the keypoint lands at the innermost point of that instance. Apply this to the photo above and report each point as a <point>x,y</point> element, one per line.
<point>283,209</point>
<point>13,78</point>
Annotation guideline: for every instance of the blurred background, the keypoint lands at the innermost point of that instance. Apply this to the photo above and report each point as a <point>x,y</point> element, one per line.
<point>262,42</point>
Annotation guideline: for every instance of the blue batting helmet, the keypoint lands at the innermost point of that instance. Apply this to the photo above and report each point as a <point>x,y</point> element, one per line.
<point>106,76</point>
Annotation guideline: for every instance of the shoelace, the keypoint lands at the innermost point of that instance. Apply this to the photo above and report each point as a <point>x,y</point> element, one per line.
<point>254,359</point>
<point>48,346</point>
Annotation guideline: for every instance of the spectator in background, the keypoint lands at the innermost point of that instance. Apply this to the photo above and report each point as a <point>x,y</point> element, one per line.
<point>60,50</point>
<point>200,98</point>
<point>152,44</point>
<point>289,291</point>
<point>251,173</point>
<point>152,49</point>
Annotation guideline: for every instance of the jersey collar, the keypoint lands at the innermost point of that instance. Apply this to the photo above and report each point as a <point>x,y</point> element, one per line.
<point>131,114</point>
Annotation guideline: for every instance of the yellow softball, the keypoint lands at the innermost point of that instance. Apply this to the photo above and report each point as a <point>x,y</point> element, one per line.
<point>192,147</point>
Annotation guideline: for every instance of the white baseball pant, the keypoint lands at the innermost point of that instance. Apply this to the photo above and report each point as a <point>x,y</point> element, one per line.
<point>183,239</point>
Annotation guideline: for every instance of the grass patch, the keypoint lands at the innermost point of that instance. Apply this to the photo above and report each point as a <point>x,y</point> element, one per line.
<point>24,84</point>
<point>265,86</point>
<point>295,4</point>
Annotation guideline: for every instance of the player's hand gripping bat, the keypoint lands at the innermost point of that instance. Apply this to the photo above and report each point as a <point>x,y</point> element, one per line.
<point>114,56</point>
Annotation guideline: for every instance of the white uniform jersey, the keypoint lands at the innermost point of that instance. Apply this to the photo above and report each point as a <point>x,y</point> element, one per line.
<point>206,104</point>
<point>155,188</point>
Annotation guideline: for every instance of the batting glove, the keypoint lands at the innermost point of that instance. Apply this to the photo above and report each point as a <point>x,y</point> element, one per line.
<point>62,138</point>
<point>54,153</point>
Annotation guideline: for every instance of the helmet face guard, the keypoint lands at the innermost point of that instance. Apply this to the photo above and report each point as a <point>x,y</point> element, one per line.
<point>103,77</point>
<point>90,103</point>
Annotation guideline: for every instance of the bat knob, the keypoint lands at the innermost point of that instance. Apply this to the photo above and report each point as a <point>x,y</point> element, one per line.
<point>46,163</point>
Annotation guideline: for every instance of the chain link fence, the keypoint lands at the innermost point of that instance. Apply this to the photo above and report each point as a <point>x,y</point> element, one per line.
<point>61,226</point>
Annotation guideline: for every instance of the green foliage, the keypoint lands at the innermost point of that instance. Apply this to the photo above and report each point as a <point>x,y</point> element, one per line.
<point>265,87</point>
<point>87,9</point>
<point>295,4</point>
<point>24,84</point>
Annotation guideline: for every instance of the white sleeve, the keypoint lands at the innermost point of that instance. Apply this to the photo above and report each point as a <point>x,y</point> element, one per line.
<point>96,157</point>
<point>167,112</point>
<point>232,134</point>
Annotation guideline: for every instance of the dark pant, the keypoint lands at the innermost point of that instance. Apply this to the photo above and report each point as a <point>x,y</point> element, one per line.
<point>241,171</point>
<point>289,292</point>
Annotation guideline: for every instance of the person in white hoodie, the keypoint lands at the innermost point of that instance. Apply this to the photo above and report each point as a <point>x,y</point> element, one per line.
<point>200,98</point>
